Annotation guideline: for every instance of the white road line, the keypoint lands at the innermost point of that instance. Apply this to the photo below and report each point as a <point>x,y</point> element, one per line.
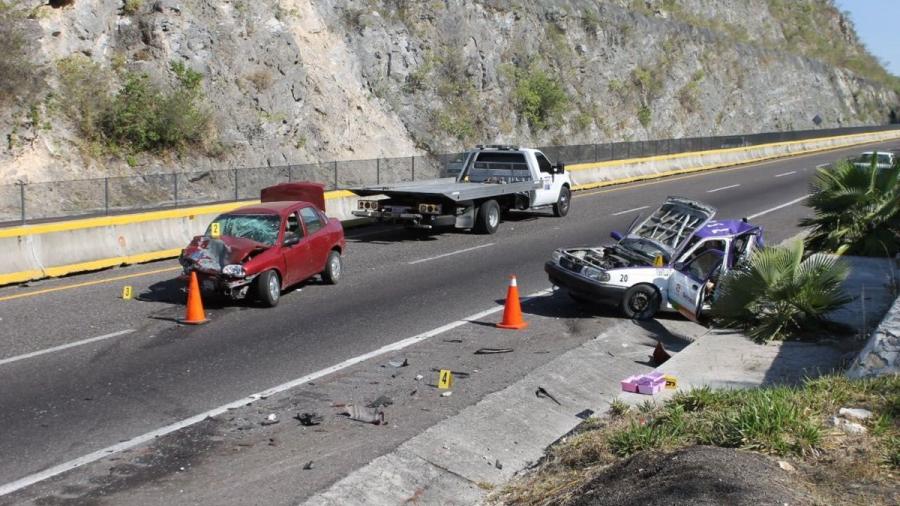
<point>629,211</point>
<point>767,211</point>
<point>722,188</point>
<point>31,479</point>
<point>65,346</point>
<point>786,173</point>
<point>449,254</point>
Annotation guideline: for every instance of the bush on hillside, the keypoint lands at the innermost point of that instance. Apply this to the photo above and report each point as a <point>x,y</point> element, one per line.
<point>139,116</point>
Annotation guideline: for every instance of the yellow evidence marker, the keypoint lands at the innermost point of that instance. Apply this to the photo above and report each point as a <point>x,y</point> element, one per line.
<point>215,230</point>
<point>659,261</point>
<point>671,382</point>
<point>126,292</point>
<point>445,379</point>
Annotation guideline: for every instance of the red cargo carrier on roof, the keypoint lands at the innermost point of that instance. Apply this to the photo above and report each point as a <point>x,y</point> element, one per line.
<point>314,193</point>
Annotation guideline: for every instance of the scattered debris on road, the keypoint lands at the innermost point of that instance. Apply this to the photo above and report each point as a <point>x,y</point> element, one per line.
<point>492,351</point>
<point>542,393</point>
<point>272,419</point>
<point>660,355</point>
<point>308,419</point>
<point>419,377</point>
<point>447,393</point>
<point>308,465</point>
<point>381,402</point>
<point>585,414</point>
<point>362,414</point>
<point>398,362</point>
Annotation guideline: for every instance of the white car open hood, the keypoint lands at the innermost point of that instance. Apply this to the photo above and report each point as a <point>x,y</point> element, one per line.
<point>670,226</point>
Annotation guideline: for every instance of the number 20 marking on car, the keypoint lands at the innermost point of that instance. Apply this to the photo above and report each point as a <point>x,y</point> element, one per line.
<point>623,278</point>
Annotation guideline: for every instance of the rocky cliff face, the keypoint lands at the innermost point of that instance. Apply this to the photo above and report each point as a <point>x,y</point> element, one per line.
<point>292,81</point>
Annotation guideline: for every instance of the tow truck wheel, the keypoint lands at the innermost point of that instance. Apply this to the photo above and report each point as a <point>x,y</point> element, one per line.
<point>268,288</point>
<point>640,302</point>
<point>333,268</point>
<point>561,207</point>
<point>488,218</point>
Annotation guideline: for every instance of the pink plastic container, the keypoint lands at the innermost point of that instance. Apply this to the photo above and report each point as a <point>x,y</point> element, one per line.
<point>630,384</point>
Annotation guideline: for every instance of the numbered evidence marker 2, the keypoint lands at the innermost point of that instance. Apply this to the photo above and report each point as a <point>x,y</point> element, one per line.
<point>445,379</point>
<point>215,230</point>
<point>126,292</point>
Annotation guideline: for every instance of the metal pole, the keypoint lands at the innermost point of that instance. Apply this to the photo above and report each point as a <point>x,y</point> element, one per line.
<point>413,158</point>
<point>235,183</point>
<point>335,175</point>
<point>22,198</point>
<point>175,187</point>
<point>106,195</point>
<point>290,173</point>
<point>378,171</point>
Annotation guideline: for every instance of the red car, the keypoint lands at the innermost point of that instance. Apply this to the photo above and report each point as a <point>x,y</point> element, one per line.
<point>264,248</point>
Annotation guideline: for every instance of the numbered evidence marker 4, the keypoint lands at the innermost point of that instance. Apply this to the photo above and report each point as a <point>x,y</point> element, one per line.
<point>445,379</point>
<point>126,292</point>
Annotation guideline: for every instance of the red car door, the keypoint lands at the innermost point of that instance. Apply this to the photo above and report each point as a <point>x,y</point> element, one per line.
<point>320,244</point>
<point>296,255</point>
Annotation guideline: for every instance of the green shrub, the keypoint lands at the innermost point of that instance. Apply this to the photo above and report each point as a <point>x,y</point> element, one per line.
<point>539,98</point>
<point>131,7</point>
<point>19,76</point>
<point>84,94</point>
<point>779,294</point>
<point>645,116</point>
<point>140,116</point>
<point>856,211</point>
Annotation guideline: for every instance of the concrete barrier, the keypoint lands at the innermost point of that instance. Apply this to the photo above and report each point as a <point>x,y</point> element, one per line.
<point>61,248</point>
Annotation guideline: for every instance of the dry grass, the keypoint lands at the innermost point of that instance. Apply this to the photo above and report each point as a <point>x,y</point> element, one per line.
<point>790,423</point>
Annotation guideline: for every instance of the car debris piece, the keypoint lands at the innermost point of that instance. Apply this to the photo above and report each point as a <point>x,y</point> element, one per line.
<point>272,419</point>
<point>585,414</point>
<point>660,355</point>
<point>308,465</point>
<point>397,363</point>
<point>452,340</point>
<point>492,351</point>
<point>498,465</point>
<point>308,419</point>
<point>456,374</point>
<point>363,414</point>
<point>540,392</point>
<point>447,393</point>
<point>419,377</point>
<point>381,402</point>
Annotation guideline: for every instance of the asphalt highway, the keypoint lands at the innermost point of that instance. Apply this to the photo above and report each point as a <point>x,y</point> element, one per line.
<point>83,369</point>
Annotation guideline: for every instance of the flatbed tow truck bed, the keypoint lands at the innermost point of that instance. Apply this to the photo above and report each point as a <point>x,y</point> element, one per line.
<point>448,188</point>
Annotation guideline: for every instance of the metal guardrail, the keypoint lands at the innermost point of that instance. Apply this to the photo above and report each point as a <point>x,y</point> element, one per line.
<point>22,203</point>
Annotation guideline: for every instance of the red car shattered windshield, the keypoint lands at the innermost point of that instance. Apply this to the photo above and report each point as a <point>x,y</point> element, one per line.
<point>262,228</point>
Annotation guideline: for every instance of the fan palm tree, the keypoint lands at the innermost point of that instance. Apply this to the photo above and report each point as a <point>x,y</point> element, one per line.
<point>856,211</point>
<point>778,293</point>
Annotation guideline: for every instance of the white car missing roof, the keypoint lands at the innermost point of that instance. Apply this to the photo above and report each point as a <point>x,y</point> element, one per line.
<point>670,261</point>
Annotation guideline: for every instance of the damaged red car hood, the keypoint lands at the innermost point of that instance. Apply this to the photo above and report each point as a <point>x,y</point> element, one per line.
<point>209,253</point>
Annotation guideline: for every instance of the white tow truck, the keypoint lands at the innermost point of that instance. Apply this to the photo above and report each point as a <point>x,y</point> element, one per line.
<point>494,180</point>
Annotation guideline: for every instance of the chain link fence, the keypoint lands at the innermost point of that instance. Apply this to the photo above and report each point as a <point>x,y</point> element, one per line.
<point>35,202</point>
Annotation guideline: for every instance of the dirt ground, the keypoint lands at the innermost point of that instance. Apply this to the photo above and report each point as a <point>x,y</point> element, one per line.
<point>698,475</point>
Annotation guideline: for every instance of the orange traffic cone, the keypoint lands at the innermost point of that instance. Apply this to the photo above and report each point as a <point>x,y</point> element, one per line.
<point>512,311</point>
<point>194,315</point>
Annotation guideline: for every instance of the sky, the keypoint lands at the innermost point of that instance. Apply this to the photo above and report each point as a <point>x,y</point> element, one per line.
<point>878,26</point>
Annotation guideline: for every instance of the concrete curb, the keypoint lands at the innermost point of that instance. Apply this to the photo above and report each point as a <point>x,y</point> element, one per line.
<point>61,248</point>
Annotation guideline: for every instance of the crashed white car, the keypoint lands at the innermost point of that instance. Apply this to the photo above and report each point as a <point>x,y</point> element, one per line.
<point>670,261</point>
